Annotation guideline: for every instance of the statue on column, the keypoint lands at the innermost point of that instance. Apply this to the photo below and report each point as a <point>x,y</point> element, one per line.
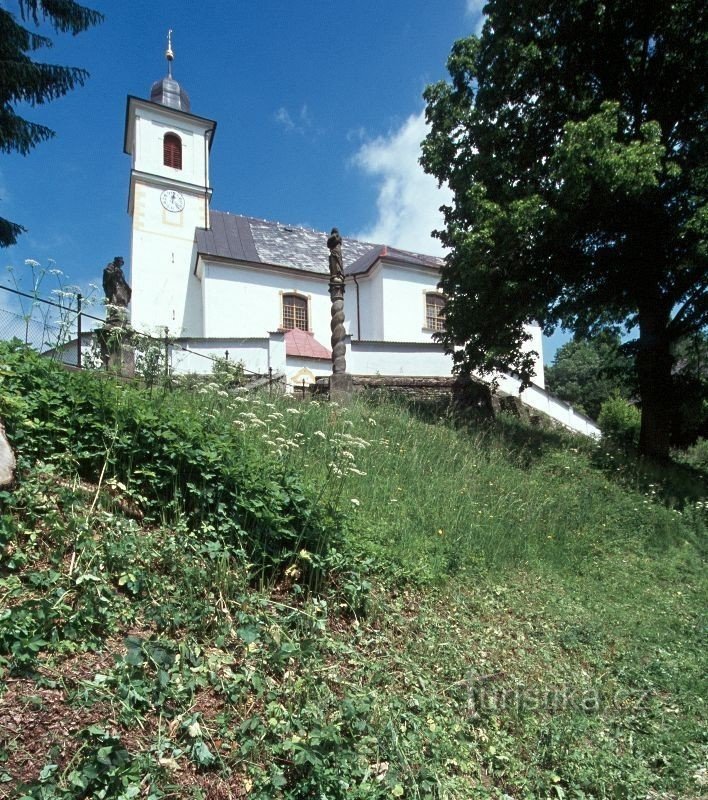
<point>336,265</point>
<point>116,352</point>
<point>116,288</point>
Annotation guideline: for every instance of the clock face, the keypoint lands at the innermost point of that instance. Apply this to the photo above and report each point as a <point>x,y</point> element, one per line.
<point>172,200</point>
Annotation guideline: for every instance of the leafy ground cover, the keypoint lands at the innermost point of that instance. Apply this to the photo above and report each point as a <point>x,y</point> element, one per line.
<point>420,607</point>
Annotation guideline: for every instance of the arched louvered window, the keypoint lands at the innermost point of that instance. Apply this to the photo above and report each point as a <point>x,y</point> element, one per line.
<point>172,151</point>
<point>294,312</point>
<point>434,311</point>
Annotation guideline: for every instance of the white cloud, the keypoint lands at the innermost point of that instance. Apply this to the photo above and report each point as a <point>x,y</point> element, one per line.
<point>408,199</point>
<point>282,116</point>
<point>474,9</point>
<point>300,123</point>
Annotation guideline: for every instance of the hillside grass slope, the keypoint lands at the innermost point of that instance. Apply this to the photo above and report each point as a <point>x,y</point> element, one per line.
<point>208,595</point>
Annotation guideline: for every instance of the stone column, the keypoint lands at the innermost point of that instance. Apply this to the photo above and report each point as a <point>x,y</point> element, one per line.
<point>339,348</point>
<point>340,381</point>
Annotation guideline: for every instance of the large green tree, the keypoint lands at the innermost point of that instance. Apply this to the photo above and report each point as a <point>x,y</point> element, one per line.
<point>573,135</point>
<point>24,80</point>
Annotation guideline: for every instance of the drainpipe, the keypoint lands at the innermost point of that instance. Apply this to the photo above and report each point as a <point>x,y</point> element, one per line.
<point>358,316</point>
<point>208,134</point>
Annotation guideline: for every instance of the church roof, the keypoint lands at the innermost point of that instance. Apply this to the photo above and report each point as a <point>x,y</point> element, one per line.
<point>256,240</point>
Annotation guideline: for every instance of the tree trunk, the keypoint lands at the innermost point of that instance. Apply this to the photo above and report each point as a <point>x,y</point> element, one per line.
<point>654,366</point>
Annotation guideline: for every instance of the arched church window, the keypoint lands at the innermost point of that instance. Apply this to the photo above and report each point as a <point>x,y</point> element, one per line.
<point>434,311</point>
<point>295,312</point>
<point>172,151</point>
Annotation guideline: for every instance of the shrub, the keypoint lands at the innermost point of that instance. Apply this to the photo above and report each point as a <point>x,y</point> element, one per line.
<point>696,456</point>
<point>620,420</point>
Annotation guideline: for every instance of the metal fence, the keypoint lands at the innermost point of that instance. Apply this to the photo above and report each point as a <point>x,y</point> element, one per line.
<point>65,332</point>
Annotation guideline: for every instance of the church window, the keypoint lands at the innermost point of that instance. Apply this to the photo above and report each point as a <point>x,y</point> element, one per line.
<point>172,151</point>
<point>434,311</point>
<point>294,312</point>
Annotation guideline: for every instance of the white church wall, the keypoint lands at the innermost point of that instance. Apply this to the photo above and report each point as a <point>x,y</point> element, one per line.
<point>245,301</point>
<point>404,291</point>
<point>535,343</point>
<point>297,369</point>
<point>165,292</point>
<point>388,358</point>
<point>253,353</point>
<point>151,125</point>
<point>370,305</point>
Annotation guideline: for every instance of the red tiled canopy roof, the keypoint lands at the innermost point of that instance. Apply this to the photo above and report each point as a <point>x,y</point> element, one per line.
<point>304,345</point>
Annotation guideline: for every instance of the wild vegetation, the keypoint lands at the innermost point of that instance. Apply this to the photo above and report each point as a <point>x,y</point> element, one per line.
<point>204,594</point>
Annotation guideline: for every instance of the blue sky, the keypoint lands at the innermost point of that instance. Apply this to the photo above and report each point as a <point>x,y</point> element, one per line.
<point>318,107</point>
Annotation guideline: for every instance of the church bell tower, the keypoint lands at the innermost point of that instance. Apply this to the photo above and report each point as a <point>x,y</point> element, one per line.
<point>168,199</point>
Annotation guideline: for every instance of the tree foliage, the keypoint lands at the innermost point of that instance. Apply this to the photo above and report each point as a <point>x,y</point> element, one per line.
<point>573,135</point>
<point>587,372</point>
<point>24,80</point>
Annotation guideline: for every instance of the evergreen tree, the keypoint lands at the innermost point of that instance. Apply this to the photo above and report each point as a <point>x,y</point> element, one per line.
<point>23,80</point>
<point>574,135</point>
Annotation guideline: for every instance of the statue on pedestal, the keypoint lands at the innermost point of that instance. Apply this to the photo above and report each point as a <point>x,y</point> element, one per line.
<point>117,292</point>
<point>116,351</point>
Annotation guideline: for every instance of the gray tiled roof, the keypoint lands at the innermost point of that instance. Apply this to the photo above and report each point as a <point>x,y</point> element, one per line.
<point>256,240</point>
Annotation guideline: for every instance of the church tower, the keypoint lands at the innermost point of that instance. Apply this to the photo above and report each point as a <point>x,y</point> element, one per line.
<point>168,199</point>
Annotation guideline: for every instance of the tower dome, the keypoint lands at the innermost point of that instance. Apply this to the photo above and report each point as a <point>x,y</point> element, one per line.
<point>167,91</point>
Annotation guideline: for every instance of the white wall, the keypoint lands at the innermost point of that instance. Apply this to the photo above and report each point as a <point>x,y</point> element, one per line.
<point>536,343</point>
<point>253,354</point>
<point>370,305</point>
<point>404,291</point>
<point>316,366</point>
<point>247,301</point>
<point>537,398</point>
<point>380,358</point>
<point>165,292</point>
<point>150,126</point>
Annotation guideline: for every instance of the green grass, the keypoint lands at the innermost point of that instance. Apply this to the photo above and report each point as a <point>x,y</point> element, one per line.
<point>419,607</point>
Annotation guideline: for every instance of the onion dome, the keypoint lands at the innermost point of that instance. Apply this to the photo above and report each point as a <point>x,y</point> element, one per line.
<point>167,91</point>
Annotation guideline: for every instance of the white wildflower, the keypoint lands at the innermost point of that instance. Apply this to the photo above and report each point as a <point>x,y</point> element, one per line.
<point>355,502</point>
<point>320,434</point>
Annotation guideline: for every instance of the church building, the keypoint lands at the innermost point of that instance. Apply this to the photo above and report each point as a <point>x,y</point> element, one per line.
<point>217,281</point>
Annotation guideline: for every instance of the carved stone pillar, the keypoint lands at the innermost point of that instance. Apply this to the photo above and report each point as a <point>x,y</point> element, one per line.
<point>339,349</point>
